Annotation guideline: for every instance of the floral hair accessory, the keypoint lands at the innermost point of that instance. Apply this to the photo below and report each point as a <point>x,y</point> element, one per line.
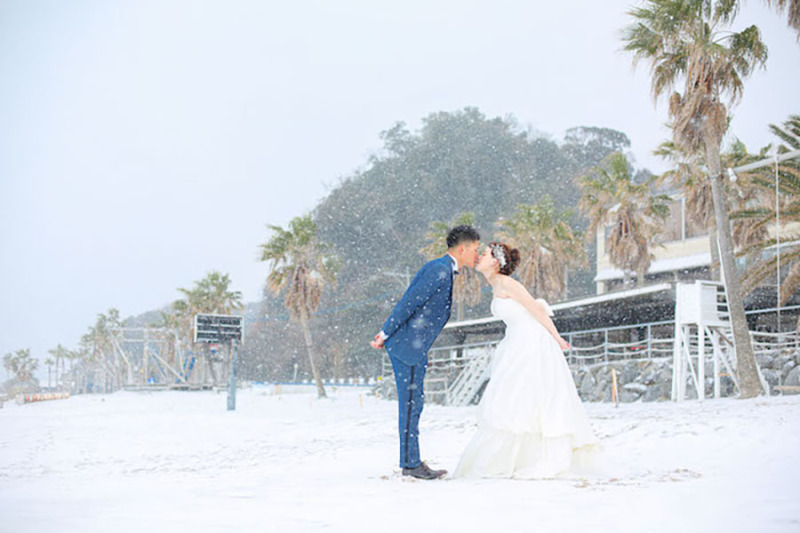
<point>499,254</point>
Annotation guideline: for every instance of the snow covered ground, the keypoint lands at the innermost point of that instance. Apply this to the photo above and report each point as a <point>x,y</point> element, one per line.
<point>180,462</point>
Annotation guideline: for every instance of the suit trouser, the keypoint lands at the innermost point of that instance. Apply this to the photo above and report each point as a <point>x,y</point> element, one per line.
<point>410,399</point>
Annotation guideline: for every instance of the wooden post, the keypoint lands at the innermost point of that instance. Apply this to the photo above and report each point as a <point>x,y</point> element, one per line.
<point>614,397</point>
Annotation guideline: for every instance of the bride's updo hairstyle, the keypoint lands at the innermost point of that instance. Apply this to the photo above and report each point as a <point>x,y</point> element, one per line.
<point>507,257</point>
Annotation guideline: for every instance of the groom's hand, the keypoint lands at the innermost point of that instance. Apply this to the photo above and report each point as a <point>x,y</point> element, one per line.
<point>377,342</point>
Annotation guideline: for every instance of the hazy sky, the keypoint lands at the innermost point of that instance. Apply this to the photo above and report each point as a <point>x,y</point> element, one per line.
<point>146,143</point>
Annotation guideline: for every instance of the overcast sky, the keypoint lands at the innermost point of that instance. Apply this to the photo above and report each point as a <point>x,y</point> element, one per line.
<point>146,143</point>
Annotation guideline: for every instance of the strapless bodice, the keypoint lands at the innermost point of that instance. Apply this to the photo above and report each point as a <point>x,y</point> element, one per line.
<point>512,313</point>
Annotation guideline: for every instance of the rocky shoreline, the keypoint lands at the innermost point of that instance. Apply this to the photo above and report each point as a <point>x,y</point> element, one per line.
<point>651,380</point>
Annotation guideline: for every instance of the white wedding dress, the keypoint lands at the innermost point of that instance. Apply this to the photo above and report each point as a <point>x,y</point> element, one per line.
<point>531,423</point>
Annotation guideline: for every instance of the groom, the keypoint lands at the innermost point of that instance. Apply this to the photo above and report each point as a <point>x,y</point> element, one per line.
<point>409,332</point>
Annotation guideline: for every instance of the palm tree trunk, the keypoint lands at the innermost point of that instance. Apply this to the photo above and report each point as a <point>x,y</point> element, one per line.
<point>714,249</point>
<point>314,370</point>
<point>749,384</point>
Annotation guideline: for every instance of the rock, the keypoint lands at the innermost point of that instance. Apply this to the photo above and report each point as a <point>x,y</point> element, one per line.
<point>764,361</point>
<point>726,385</point>
<point>648,367</point>
<point>601,392</point>
<point>587,385</point>
<point>793,378</point>
<point>788,366</point>
<point>773,377</point>
<point>635,387</point>
<point>659,391</point>
<point>627,396</point>
<point>629,374</point>
<point>606,395</point>
<point>650,377</point>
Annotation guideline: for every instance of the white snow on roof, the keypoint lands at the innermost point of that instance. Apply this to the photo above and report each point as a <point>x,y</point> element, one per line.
<point>668,264</point>
<point>616,295</point>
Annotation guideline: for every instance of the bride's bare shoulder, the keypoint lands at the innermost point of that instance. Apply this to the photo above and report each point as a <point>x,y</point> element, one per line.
<point>506,286</point>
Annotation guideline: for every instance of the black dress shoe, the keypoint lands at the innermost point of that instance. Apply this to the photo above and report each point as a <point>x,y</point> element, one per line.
<point>423,471</point>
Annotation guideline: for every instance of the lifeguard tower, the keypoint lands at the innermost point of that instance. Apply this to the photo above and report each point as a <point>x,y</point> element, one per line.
<point>703,335</point>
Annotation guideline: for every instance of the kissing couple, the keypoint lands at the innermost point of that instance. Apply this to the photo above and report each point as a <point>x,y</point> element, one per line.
<point>531,423</point>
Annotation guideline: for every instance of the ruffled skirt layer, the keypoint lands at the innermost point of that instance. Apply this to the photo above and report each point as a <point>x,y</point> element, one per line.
<point>531,423</point>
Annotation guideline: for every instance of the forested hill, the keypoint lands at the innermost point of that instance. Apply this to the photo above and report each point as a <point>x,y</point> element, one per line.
<point>377,220</point>
<point>457,162</point>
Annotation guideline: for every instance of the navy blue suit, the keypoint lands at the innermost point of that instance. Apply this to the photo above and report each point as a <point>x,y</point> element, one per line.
<point>410,330</point>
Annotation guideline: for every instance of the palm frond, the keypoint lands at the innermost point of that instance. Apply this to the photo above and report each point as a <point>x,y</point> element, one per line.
<point>300,266</point>
<point>633,214</point>
<point>548,246</point>
<point>792,8</point>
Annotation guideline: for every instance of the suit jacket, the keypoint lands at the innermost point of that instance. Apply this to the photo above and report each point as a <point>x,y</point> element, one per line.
<point>421,313</point>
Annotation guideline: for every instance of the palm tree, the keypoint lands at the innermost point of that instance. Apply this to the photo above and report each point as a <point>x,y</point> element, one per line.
<point>610,197</point>
<point>685,40</point>
<point>688,175</point>
<point>548,246</point>
<point>49,364</point>
<point>59,354</point>
<point>759,216</point>
<point>98,345</point>
<point>300,266</point>
<point>172,322</point>
<point>467,285</point>
<point>742,193</point>
<point>73,356</point>
<point>21,365</point>
<point>792,8</point>
<point>211,295</point>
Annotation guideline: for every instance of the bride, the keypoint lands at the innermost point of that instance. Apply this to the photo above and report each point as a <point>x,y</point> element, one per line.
<point>531,423</point>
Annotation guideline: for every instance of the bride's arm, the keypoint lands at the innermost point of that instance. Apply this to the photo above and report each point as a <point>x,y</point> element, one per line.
<point>518,292</point>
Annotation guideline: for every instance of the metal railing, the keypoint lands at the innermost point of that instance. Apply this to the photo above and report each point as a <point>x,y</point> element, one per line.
<point>765,343</point>
<point>639,341</point>
<point>653,340</point>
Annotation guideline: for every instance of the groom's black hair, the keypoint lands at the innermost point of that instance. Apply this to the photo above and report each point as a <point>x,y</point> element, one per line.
<point>461,234</point>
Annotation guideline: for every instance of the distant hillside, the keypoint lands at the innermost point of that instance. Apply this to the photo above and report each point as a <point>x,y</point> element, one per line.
<point>376,220</point>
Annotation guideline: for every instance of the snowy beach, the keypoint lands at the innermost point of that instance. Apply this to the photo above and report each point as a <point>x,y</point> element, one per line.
<point>285,461</point>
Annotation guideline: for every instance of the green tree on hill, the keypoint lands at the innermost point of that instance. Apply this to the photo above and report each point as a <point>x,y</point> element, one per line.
<point>376,219</point>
